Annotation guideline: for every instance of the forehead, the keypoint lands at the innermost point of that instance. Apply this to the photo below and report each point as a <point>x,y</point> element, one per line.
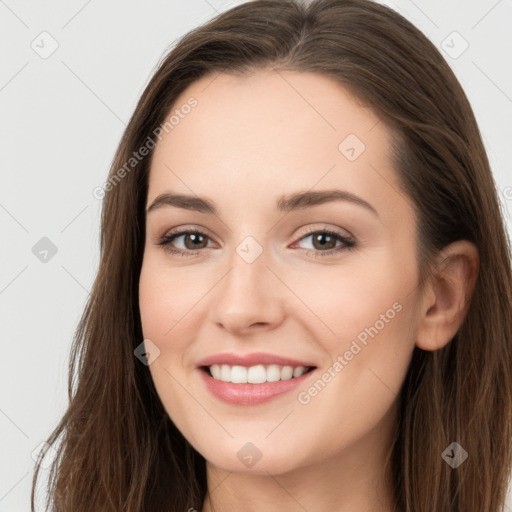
<point>272,133</point>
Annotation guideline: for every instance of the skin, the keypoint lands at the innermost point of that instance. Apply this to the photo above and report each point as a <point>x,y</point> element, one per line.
<point>249,141</point>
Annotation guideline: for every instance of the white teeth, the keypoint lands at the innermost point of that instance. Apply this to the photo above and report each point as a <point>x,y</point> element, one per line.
<point>225,373</point>
<point>273,373</point>
<point>297,372</point>
<point>239,374</point>
<point>255,374</point>
<point>286,372</point>
<point>215,369</point>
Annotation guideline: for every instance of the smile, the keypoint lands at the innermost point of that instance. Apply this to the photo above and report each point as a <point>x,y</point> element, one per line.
<point>255,374</point>
<point>251,379</point>
<point>248,393</point>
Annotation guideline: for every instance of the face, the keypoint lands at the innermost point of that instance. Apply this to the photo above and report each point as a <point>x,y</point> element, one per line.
<point>294,285</point>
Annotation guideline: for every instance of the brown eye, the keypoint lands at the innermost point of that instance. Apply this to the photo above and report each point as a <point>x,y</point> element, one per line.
<point>196,240</point>
<point>192,241</point>
<point>324,242</point>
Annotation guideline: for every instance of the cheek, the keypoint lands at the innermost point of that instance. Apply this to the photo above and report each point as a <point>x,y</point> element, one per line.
<point>355,299</point>
<point>173,304</point>
<point>166,306</point>
<point>166,301</point>
<point>366,362</point>
<point>368,322</point>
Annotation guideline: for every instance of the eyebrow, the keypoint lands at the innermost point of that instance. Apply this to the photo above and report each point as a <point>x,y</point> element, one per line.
<point>286,203</point>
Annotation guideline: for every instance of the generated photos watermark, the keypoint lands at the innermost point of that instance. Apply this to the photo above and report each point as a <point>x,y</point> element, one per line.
<point>144,150</point>
<point>305,397</point>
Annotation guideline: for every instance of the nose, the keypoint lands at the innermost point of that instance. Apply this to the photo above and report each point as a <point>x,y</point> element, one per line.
<point>249,297</point>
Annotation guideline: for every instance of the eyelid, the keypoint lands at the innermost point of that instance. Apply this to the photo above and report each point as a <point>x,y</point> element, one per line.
<point>335,230</point>
<point>186,228</point>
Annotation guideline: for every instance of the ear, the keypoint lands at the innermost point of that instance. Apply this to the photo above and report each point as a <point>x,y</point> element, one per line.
<point>447,295</point>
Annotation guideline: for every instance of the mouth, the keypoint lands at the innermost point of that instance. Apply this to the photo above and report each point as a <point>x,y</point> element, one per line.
<point>258,374</point>
<point>253,385</point>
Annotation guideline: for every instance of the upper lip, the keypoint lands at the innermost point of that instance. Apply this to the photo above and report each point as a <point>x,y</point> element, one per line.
<point>251,359</point>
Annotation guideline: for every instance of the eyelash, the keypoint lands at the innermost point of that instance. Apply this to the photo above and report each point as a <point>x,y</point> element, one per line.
<point>167,239</point>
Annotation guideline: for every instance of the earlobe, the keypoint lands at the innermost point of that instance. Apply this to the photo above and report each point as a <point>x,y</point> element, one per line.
<point>447,295</point>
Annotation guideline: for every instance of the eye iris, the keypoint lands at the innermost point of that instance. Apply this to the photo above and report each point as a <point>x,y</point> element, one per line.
<point>194,237</point>
<point>321,236</point>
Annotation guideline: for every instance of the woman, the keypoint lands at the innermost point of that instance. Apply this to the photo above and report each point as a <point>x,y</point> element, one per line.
<point>228,358</point>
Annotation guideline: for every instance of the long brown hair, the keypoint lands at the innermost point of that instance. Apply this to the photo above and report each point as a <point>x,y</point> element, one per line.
<point>119,449</point>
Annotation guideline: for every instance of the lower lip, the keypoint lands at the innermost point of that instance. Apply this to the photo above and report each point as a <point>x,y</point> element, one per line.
<point>250,394</point>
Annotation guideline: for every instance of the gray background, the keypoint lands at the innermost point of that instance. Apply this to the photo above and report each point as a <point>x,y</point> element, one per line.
<point>62,116</point>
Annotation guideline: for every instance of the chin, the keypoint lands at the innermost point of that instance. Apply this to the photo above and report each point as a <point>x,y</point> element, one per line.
<point>256,459</point>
